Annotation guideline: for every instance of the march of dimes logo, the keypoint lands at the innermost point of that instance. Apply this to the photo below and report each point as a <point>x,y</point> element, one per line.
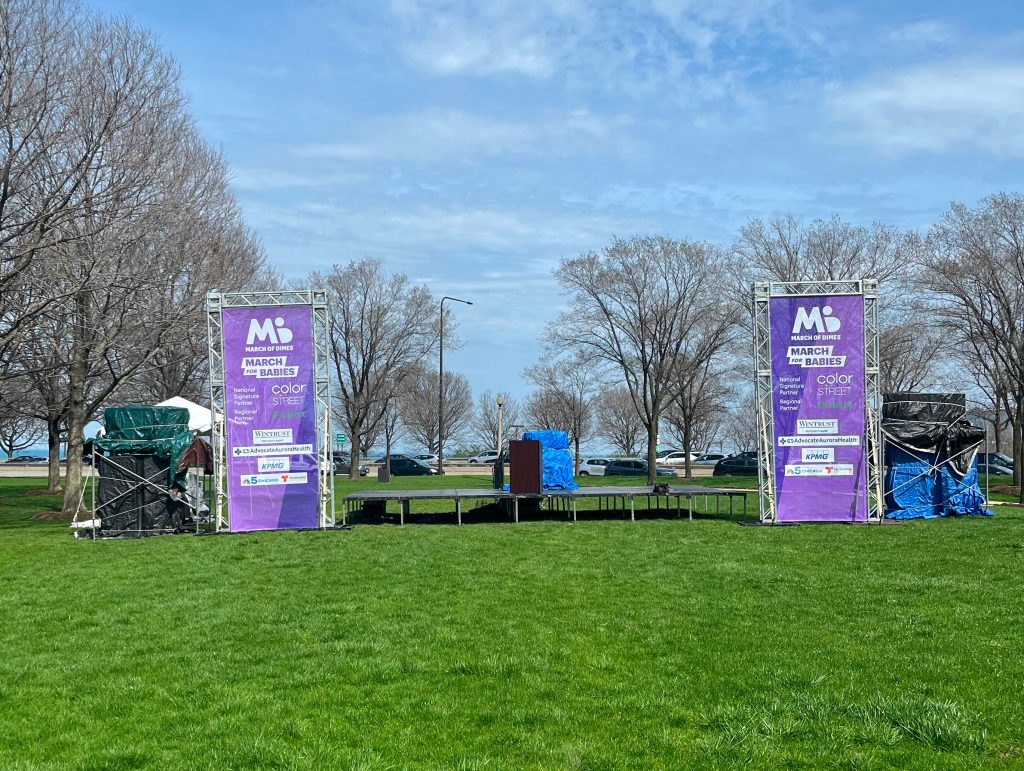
<point>274,337</point>
<point>815,325</point>
<point>820,319</point>
<point>276,332</point>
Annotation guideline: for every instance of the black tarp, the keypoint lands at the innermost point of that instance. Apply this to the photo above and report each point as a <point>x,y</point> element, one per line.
<point>932,423</point>
<point>930,449</point>
<point>132,495</point>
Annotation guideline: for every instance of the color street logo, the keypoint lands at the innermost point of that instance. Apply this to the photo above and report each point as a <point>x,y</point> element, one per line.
<point>820,320</point>
<point>273,332</point>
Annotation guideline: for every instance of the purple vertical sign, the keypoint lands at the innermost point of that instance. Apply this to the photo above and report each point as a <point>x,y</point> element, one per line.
<point>818,381</point>
<point>270,409</point>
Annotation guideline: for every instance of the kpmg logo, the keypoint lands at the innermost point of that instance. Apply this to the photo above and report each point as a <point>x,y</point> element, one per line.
<point>269,331</point>
<point>820,320</point>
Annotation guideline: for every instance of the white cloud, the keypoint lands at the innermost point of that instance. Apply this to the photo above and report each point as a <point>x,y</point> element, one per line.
<point>434,135</point>
<point>921,33</point>
<point>258,179</point>
<point>937,108</point>
<point>671,48</point>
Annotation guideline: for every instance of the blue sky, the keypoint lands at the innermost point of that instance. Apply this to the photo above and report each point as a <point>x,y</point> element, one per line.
<point>473,144</point>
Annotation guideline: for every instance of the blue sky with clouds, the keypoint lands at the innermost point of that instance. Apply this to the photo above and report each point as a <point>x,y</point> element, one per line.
<point>473,144</point>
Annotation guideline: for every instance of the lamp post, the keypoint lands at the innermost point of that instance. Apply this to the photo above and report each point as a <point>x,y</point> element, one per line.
<point>440,388</point>
<point>501,403</point>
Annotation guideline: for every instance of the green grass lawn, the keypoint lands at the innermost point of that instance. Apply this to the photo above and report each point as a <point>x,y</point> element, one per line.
<point>605,644</point>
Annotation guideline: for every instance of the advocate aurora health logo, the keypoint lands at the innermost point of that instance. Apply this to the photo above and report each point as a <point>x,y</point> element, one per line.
<point>819,320</point>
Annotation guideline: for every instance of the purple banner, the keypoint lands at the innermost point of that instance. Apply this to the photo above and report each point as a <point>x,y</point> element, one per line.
<point>818,381</point>
<point>270,410</point>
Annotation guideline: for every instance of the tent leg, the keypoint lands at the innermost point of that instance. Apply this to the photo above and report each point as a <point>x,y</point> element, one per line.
<point>458,510</point>
<point>632,510</point>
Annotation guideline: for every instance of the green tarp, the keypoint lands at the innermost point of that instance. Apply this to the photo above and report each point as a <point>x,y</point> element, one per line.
<point>138,429</point>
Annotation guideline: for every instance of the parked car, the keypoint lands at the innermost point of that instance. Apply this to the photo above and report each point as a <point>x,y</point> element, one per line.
<point>408,467</point>
<point>634,467</point>
<point>741,465</point>
<point>995,459</point>
<point>343,465</point>
<point>27,459</point>
<point>487,457</point>
<point>708,459</point>
<point>394,456</point>
<point>990,463</point>
<point>429,458</point>
<point>593,467</point>
<point>677,458</point>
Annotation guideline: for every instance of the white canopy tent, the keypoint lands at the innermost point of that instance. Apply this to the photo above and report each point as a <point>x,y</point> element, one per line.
<point>200,418</point>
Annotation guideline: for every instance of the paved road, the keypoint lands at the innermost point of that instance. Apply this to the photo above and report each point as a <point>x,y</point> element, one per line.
<point>470,469</point>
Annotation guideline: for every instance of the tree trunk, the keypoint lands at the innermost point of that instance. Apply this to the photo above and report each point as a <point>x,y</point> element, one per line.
<point>1015,450</point>
<point>996,427</point>
<point>687,441</point>
<point>53,454</point>
<point>1018,446</point>
<point>74,485</point>
<point>355,437</point>
<point>76,419</point>
<point>576,460</point>
<point>652,452</point>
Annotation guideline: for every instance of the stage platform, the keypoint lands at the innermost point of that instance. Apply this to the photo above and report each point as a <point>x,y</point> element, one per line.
<point>555,500</point>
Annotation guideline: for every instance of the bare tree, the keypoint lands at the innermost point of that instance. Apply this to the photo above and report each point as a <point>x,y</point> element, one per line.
<point>974,269</point>
<point>741,424</point>
<point>695,417</point>
<point>564,399</point>
<point>17,433</point>
<point>485,421</point>
<point>635,308</point>
<point>785,249</point>
<point>418,407</point>
<point>908,352</point>
<point>618,421</point>
<point>381,327</point>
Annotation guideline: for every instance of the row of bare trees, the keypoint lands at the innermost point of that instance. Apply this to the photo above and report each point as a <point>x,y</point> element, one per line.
<point>116,220</point>
<point>664,328</point>
<point>656,336</point>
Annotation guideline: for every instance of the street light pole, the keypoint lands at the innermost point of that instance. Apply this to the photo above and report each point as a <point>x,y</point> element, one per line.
<point>440,388</point>
<point>501,403</point>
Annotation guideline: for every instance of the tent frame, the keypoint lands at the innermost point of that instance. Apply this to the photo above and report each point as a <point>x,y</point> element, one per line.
<point>317,300</point>
<point>762,294</point>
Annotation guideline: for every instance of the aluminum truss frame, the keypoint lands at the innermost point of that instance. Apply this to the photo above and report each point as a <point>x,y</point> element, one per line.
<point>317,300</point>
<point>763,291</point>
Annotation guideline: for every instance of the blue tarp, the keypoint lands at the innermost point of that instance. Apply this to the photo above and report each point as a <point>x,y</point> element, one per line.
<point>915,488</point>
<point>549,440</point>
<point>557,465</point>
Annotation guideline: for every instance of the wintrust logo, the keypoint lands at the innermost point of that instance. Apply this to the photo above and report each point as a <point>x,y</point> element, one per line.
<point>268,331</point>
<point>819,320</point>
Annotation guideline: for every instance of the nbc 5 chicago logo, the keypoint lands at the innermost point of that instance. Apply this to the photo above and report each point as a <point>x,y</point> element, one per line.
<point>820,320</point>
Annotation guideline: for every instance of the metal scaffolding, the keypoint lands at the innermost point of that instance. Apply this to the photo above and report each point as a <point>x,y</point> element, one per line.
<point>762,294</point>
<point>317,300</point>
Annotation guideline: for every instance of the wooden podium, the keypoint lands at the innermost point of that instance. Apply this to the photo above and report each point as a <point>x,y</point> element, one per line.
<point>525,467</point>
